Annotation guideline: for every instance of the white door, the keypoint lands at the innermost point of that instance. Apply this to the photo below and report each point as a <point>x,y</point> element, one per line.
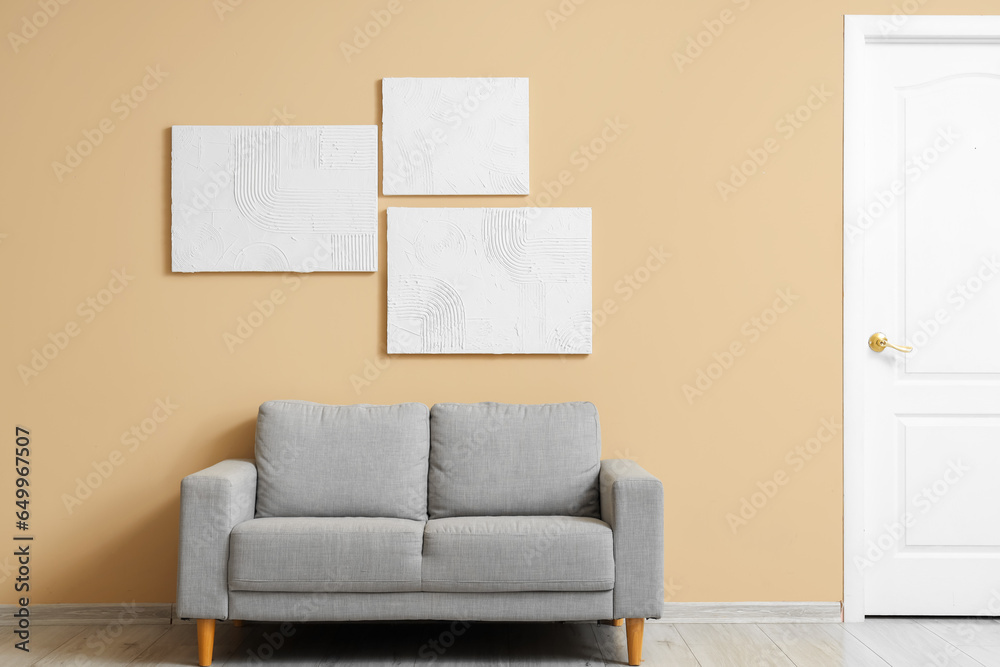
<point>922,247</point>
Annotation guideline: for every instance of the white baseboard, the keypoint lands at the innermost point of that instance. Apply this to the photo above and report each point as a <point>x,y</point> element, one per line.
<point>750,612</point>
<point>673,612</point>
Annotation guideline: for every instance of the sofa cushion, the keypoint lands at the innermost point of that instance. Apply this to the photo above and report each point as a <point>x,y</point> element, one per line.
<point>330,460</point>
<point>493,459</point>
<point>319,554</point>
<point>517,553</point>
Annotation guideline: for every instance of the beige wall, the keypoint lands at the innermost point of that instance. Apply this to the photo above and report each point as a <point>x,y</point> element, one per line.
<point>654,186</point>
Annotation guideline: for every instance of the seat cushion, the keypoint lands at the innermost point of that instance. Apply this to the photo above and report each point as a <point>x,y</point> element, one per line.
<point>329,460</point>
<point>314,554</point>
<point>517,553</point>
<point>493,459</point>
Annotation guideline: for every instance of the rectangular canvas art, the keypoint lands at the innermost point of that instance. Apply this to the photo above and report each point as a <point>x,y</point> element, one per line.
<point>274,198</point>
<point>455,136</point>
<point>489,280</point>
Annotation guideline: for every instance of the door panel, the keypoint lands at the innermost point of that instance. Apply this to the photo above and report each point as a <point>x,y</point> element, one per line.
<point>950,135</point>
<point>932,417</point>
<point>948,471</point>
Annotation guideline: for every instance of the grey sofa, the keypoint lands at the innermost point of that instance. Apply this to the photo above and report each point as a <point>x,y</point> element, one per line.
<point>465,512</point>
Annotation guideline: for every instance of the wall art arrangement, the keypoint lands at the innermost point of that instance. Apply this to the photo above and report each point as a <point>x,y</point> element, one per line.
<point>461,280</point>
<point>489,280</point>
<point>274,198</point>
<point>455,136</point>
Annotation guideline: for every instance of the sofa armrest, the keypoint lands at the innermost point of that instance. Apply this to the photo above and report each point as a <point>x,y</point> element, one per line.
<point>632,504</point>
<point>213,501</point>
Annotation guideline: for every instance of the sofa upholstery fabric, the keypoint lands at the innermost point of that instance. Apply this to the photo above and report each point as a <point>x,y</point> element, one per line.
<point>324,554</point>
<point>494,459</point>
<point>517,553</point>
<point>213,501</point>
<point>339,461</point>
<point>632,504</point>
<point>508,607</point>
<point>488,512</point>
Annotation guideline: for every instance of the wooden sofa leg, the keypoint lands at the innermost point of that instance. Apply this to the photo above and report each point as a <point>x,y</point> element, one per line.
<point>237,623</point>
<point>633,635</point>
<point>616,622</point>
<point>206,640</point>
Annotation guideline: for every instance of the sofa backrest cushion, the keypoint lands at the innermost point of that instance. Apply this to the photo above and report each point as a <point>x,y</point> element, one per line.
<point>494,459</point>
<point>342,460</point>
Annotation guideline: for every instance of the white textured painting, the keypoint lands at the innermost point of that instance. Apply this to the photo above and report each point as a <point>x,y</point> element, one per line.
<point>274,198</point>
<point>489,280</point>
<point>455,136</point>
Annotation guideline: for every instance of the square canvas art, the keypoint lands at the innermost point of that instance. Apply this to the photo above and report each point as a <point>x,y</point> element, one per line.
<point>274,198</point>
<point>489,280</point>
<point>455,136</point>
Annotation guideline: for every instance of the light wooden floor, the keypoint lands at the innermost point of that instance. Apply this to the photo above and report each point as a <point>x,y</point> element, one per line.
<point>875,643</point>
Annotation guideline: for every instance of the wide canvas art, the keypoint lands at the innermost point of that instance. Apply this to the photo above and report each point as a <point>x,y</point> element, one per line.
<point>489,280</point>
<point>274,198</point>
<point>454,136</point>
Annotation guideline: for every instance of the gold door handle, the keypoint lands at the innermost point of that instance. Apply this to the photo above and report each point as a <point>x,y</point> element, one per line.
<point>879,342</point>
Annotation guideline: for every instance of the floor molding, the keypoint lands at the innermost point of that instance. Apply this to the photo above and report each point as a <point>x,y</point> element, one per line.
<point>131,613</point>
<point>750,612</point>
<point>125,613</point>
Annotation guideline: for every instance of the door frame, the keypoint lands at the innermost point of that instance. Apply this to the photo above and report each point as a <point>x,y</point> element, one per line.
<point>859,31</point>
